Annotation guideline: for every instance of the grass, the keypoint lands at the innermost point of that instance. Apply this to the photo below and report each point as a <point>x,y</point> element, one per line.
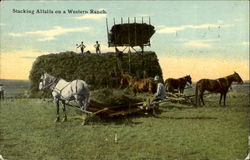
<point>177,132</point>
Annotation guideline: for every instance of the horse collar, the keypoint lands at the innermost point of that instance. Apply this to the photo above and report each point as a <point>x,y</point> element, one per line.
<point>219,83</point>
<point>54,83</point>
<point>226,81</point>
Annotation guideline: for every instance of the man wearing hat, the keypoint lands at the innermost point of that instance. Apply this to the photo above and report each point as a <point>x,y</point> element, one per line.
<point>161,90</point>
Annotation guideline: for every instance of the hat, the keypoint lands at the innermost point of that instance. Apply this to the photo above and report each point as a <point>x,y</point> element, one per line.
<point>157,78</point>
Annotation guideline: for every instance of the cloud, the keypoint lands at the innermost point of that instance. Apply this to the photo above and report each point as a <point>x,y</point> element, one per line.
<point>200,43</point>
<point>165,29</point>
<point>246,43</point>
<point>47,35</point>
<point>237,20</point>
<point>91,16</point>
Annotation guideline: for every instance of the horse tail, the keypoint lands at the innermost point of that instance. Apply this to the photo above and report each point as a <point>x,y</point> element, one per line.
<point>166,85</point>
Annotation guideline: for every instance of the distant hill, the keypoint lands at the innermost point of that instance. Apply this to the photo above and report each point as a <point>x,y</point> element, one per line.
<point>15,88</point>
<point>247,81</point>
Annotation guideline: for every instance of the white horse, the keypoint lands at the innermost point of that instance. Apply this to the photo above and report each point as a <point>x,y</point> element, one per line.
<point>65,92</point>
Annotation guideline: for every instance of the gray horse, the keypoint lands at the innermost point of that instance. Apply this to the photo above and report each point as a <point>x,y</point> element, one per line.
<point>65,92</point>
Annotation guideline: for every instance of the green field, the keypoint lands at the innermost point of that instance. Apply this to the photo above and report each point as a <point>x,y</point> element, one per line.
<point>178,132</point>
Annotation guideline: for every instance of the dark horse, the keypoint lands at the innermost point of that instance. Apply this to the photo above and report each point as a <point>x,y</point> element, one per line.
<point>220,85</point>
<point>138,85</point>
<point>179,84</point>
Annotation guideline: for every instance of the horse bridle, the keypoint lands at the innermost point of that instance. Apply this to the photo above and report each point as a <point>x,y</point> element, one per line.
<point>54,81</point>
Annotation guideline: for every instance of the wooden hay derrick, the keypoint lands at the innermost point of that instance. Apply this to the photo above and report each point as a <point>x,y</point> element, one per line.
<point>129,34</point>
<point>133,34</point>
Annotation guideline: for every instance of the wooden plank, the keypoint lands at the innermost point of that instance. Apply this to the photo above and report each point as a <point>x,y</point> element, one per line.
<point>78,108</point>
<point>102,110</point>
<point>123,112</point>
<point>140,108</point>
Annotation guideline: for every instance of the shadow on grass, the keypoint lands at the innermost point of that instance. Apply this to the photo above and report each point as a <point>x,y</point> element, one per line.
<point>181,118</point>
<point>129,120</point>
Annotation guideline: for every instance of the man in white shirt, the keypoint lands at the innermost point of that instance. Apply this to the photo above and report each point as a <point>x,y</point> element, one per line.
<point>82,46</point>
<point>97,48</point>
<point>161,90</point>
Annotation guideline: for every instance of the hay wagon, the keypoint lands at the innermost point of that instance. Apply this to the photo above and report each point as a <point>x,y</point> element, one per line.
<point>130,35</point>
<point>122,110</point>
<point>105,110</point>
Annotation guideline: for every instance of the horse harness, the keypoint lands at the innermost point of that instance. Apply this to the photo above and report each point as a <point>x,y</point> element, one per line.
<point>218,80</point>
<point>59,91</point>
<point>51,84</point>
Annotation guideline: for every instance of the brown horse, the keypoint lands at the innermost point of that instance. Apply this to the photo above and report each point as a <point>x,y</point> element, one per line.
<point>179,84</point>
<point>220,85</point>
<point>126,80</point>
<point>138,85</point>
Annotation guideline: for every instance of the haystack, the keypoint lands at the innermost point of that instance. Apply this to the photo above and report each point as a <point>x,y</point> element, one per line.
<point>98,70</point>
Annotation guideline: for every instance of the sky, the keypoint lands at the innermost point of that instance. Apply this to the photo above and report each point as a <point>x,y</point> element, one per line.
<point>204,39</point>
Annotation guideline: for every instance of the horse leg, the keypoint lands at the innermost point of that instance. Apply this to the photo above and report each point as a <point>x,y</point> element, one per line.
<point>135,91</point>
<point>196,96</point>
<point>84,102</point>
<point>81,104</point>
<point>225,94</point>
<point>64,111</point>
<point>201,97</point>
<point>170,89</point>
<point>181,91</point>
<point>221,97</point>
<point>57,111</point>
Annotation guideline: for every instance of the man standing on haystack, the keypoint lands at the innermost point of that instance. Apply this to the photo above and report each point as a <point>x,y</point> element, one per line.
<point>97,48</point>
<point>82,47</point>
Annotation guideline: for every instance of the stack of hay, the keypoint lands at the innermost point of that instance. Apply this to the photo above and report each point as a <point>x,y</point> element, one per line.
<point>98,70</point>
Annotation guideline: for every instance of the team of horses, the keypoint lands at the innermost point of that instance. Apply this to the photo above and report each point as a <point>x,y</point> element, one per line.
<point>220,85</point>
<point>148,85</point>
<point>78,90</point>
